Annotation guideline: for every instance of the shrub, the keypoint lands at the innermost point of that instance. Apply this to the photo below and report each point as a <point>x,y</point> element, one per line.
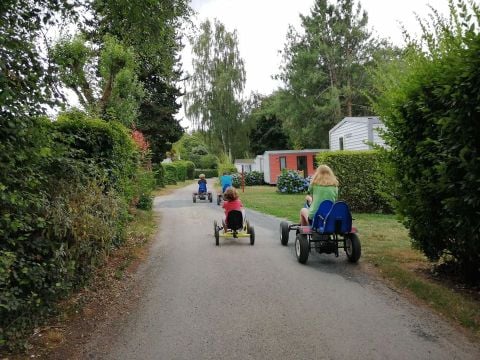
<point>190,170</point>
<point>170,174</point>
<point>159,173</point>
<point>291,182</point>
<point>254,178</point>
<point>227,168</point>
<point>237,180</point>
<point>209,173</point>
<point>208,161</point>
<point>145,184</point>
<point>429,103</point>
<point>360,174</point>
<point>181,169</point>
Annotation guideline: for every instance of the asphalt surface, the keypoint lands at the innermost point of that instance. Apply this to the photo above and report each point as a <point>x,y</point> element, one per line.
<point>238,301</point>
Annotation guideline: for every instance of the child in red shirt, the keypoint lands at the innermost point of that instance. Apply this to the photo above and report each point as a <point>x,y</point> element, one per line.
<point>231,202</point>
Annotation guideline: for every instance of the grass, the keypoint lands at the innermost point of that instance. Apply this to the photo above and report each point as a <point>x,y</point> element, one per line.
<point>385,245</point>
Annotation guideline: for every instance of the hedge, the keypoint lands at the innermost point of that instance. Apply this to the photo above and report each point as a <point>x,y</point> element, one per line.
<point>159,173</point>
<point>86,178</point>
<point>209,173</point>
<point>181,169</point>
<point>363,179</point>
<point>170,174</point>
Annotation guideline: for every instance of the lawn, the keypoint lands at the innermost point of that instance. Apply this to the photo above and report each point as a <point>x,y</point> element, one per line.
<point>385,245</point>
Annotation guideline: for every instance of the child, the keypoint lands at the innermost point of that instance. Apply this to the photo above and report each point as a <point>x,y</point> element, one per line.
<point>226,181</point>
<point>202,184</point>
<point>323,186</point>
<point>231,202</point>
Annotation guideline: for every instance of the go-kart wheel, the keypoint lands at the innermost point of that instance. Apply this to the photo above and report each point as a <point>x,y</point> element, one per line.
<point>353,247</point>
<point>194,198</point>
<point>284,233</point>
<point>251,231</point>
<point>210,197</point>
<point>247,227</point>
<point>218,199</point>
<point>302,248</point>
<point>216,232</point>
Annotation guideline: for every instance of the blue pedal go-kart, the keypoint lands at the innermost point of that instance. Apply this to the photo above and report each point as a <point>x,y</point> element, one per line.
<point>202,193</point>
<point>331,229</point>
<point>236,227</point>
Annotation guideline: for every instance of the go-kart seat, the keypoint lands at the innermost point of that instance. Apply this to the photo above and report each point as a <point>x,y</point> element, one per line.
<point>321,214</point>
<point>338,220</point>
<point>235,220</point>
<point>202,188</point>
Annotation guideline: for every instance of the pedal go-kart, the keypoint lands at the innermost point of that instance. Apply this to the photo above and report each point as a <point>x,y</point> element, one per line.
<point>330,230</point>
<point>235,227</point>
<point>202,193</point>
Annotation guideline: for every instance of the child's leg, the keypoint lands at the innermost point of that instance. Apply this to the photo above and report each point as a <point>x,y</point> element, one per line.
<point>304,217</point>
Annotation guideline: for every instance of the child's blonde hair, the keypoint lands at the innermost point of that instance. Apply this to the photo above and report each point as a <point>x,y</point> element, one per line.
<point>202,176</point>
<point>230,194</point>
<point>324,176</point>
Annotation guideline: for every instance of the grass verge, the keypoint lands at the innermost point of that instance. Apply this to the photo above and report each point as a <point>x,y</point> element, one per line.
<point>385,245</point>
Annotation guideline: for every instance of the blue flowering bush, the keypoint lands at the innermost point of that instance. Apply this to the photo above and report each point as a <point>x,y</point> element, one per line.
<point>291,182</point>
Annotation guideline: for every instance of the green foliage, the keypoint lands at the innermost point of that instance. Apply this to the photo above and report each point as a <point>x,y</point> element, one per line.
<point>190,170</point>
<point>360,175</point>
<point>429,103</point>
<point>252,178</point>
<point>181,168</point>
<point>325,71</point>
<point>159,173</point>
<point>291,182</point>
<point>144,183</point>
<point>209,173</point>
<point>217,81</point>
<point>226,167</point>
<point>170,174</point>
<point>267,132</point>
<point>208,161</point>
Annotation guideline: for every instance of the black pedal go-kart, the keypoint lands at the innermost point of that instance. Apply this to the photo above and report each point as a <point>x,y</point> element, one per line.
<point>331,230</point>
<point>202,196</point>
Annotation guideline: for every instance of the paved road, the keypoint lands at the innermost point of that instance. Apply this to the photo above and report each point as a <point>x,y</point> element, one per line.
<point>239,301</point>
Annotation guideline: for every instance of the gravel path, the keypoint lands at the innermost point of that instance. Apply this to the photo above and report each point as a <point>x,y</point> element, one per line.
<point>239,301</point>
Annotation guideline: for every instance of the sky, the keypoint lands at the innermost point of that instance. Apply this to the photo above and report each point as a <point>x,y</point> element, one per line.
<point>262,26</point>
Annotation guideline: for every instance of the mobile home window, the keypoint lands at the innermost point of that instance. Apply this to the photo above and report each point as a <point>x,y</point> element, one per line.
<point>340,143</point>
<point>283,162</point>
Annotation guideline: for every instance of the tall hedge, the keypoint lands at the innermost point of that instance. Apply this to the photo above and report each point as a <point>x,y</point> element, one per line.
<point>362,176</point>
<point>430,105</point>
<point>86,177</point>
<point>209,173</point>
<point>170,174</point>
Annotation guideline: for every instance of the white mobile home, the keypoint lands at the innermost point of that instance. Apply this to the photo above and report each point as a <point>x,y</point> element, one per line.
<point>356,133</point>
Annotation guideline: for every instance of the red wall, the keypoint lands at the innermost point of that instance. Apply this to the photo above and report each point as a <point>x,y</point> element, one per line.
<point>291,163</point>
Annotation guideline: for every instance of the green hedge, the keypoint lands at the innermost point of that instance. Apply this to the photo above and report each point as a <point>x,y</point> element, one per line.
<point>363,179</point>
<point>209,173</point>
<point>159,173</point>
<point>170,174</point>
<point>86,177</point>
<point>181,169</point>
<point>190,170</point>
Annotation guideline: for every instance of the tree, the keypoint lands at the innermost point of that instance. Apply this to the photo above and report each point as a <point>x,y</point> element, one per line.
<point>429,103</point>
<point>266,132</point>
<point>152,29</point>
<point>118,88</point>
<point>325,71</point>
<point>216,84</point>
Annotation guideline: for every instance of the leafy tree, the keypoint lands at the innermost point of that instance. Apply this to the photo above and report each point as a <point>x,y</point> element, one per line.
<point>267,132</point>
<point>325,71</point>
<point>429,103</point>
<point>152,29</point>
<point>216,84</point>
<point>119,89</point>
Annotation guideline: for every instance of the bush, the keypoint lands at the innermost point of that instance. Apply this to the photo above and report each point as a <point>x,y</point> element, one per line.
<point>429,103</point>
<point>170,174</point>
<point>291,182</point>
<point>159,173</point>
<point>360,175</point>
<point>254,178</point>
<point>145,184</point>
<point>226,168</point>
<point>208,161</point>
<point>190,170</point>
<point>209,173</point>
<point>181,169</point>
